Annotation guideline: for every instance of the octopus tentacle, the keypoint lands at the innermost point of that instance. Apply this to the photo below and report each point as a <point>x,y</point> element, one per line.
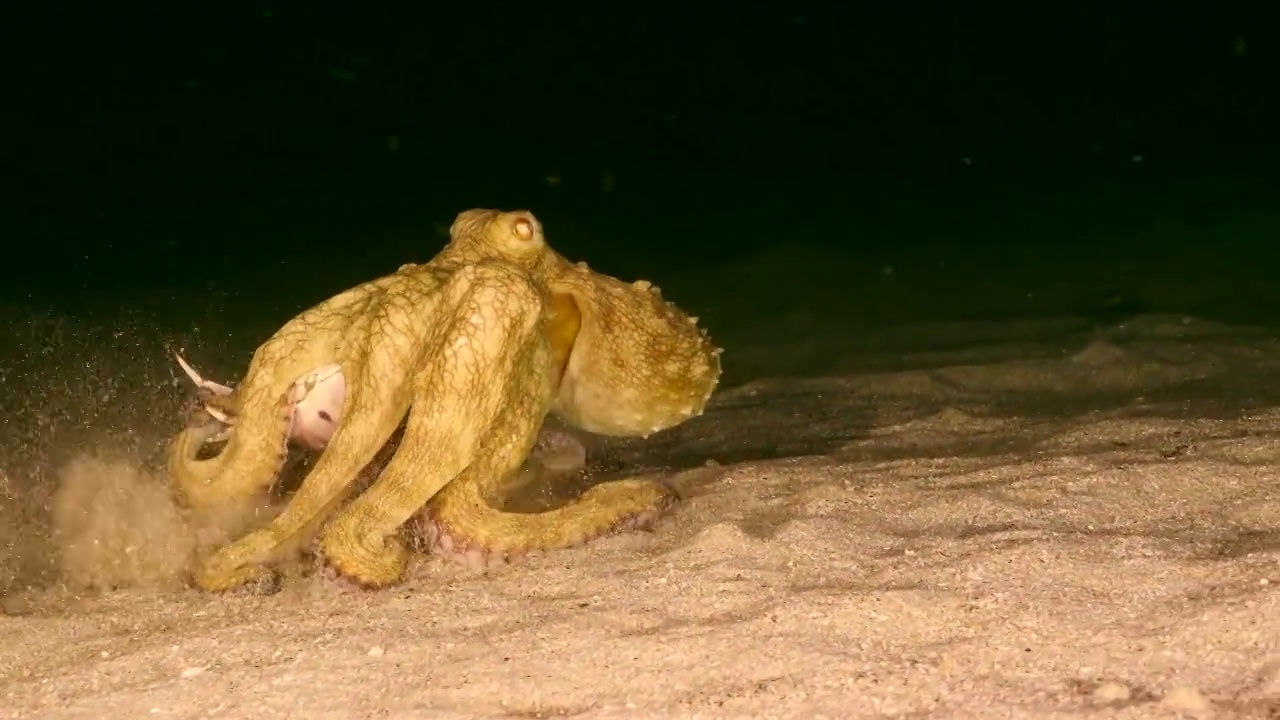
<point>662,376</point>
<point>377,402</point>
<point>365,431</point>
<point>254,454</point>
<point>461,523</point>
<point>257,434</point>
<point>494,335</point>
<point>308,412</point>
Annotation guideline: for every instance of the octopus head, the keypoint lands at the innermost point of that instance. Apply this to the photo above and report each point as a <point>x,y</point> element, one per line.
<point>515,236</point>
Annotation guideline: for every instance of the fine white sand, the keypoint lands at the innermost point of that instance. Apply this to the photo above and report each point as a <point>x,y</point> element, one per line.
<point>1041,520</point>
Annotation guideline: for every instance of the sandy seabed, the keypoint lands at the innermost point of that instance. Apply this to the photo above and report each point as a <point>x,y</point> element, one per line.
<point>1039,520</point>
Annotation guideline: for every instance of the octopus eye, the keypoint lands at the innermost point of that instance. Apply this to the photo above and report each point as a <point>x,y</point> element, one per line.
<point>523,228</point>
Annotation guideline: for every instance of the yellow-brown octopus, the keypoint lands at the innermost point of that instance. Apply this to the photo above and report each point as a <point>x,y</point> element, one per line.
<point>477,347</point>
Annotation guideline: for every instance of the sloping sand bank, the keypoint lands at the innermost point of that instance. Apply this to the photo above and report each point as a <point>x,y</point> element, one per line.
<point>1019,520</point>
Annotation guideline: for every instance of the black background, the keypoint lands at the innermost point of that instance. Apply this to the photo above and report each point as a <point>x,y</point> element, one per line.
<point>270,154</point>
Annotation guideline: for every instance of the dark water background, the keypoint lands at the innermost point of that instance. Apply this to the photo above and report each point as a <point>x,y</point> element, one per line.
<point>209,173</point>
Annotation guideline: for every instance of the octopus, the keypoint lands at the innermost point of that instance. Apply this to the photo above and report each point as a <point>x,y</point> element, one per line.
<point>461,359</point>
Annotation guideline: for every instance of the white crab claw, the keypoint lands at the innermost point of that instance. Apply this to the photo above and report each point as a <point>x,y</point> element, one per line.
<point>220,415</point>
<point>224,434</point>
<point>213,387</point>
<point>217,389</point>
